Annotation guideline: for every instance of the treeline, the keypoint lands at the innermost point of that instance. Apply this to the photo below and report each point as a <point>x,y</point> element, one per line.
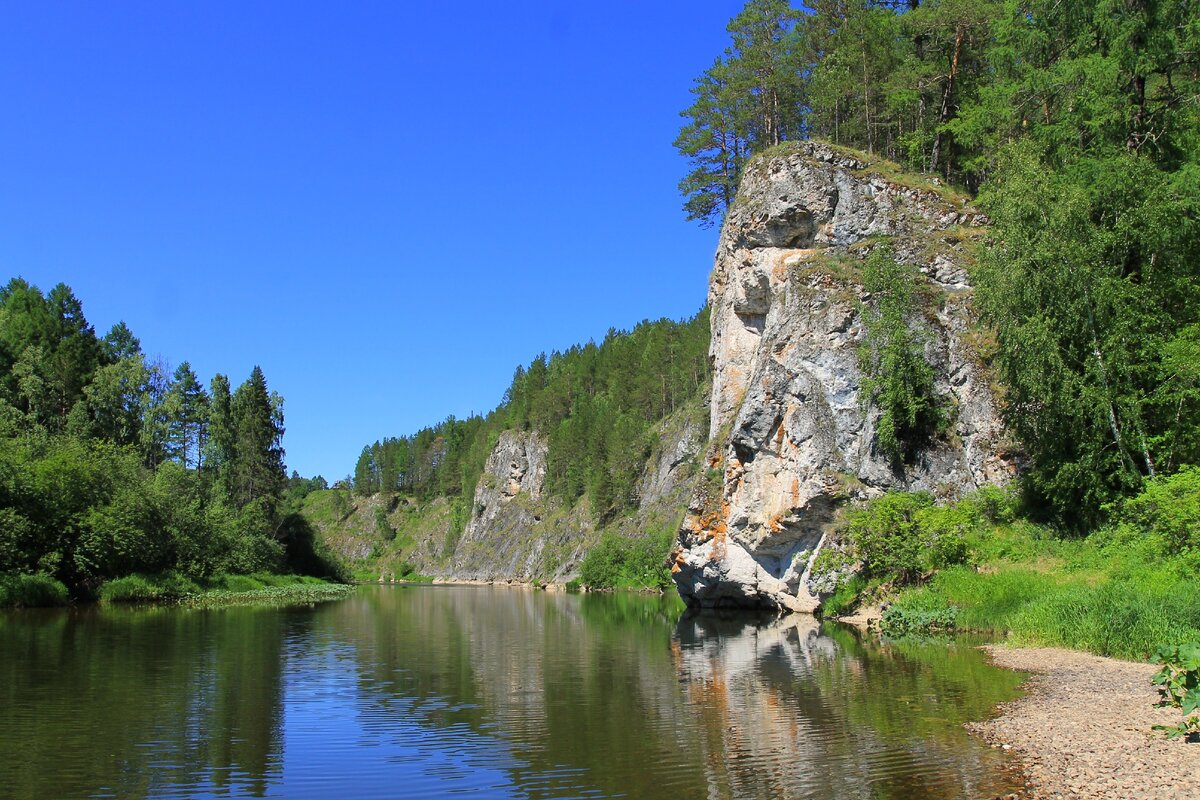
<point>941,86</point>
<point>595,404</point>
<point>110,463</point>
<point>1078,125</point>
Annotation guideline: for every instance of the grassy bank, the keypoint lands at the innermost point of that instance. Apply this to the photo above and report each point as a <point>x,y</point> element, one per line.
<point>979,566</point>
<point>219,590</point>
<point>33,591</point>
<point>1103,597</point>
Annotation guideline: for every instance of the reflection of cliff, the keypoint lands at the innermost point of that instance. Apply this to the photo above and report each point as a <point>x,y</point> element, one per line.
<point>158,697</point>
<point>606,695</point>
<point>793,712</point>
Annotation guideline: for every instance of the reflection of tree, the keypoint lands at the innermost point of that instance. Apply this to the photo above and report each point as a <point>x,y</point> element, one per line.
<point>129,701</point>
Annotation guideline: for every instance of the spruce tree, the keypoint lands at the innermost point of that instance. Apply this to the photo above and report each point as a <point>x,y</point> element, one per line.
<point>257,468</point>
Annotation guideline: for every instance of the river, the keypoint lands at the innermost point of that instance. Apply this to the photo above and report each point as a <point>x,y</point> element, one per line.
<point>433,691</point>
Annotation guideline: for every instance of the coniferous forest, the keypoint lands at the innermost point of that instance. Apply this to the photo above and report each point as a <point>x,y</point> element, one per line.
<point>113,464</point>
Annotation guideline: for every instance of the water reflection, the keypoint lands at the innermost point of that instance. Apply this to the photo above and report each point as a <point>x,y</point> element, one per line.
<point>426,691</point>
<point>127,702</point>
<point>794,710</point>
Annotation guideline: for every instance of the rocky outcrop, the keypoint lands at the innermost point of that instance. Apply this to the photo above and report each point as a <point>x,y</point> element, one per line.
<point>496,544</point>
<point>791,434</point>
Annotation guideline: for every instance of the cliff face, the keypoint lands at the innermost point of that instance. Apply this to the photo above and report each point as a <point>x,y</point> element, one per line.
<point>791,434</point>
<point>516,532</point>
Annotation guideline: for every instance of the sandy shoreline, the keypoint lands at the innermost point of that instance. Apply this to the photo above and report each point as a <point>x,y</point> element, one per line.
<point>1083,729</point>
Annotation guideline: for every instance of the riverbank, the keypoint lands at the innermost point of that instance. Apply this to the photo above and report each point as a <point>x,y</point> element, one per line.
<point>1083,729</point>
<point>39,591</point>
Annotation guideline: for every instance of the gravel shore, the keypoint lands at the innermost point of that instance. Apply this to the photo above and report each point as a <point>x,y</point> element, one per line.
<point>1083,729</point>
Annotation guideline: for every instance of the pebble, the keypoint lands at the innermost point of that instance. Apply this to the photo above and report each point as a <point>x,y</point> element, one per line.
<point>1084,729</point>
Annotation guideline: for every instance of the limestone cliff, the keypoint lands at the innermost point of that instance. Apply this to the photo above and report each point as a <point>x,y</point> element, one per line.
<point>791,435</point>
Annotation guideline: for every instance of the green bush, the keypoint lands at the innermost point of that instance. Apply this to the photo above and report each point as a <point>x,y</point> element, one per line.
<point>996,504</point>
<point>139,588</point>
<point>632,563</point>
<point>905,620</point>
<point>845,597</point>
<point>1168,508</point>
<point>902,536</point>
<point>897,378</point>
<point>32,591</point>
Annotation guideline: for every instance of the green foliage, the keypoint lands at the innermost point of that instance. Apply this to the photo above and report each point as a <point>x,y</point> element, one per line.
<point>112,465</point>
<point>1178,685</point>
<point>902,536</point>
<point>898,380</point>
<point>31,591</point>
<point>382,527</point>
<point>1094,293</point>
<point>1168,509</point>
<point>620,562</point>
<point>845,597</point>
<point>593,404</point>
<point>1106,595</point>
<point>140,588</point>
<point>907,620</point>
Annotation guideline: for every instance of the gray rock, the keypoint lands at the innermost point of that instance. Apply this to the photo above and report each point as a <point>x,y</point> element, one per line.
<point>789,428</point>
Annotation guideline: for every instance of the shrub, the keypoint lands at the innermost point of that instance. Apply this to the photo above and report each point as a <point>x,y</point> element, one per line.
<point>904,620</point>
<point>886,536</point>
<point>897,378</point>
<point>138,588</point>
<point>1168,507</point>
<point>635,563</point>
<point>32,591</point>
<point>844,598</point>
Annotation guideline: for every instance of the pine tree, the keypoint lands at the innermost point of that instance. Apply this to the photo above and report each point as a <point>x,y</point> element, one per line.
<point>257,471</point>
<point>187,417</point>
<point>220,444</point>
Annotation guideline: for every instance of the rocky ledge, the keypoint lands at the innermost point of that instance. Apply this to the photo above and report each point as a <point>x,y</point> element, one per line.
<point>791,437</point>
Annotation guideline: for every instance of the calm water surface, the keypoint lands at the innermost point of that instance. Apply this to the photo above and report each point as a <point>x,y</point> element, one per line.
<point>437,691</point>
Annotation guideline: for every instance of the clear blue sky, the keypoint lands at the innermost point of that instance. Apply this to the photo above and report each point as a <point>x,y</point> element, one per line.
<point>387,206</point>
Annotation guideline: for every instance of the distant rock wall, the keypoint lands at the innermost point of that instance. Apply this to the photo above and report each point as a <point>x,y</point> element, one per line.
<point>791,437</point>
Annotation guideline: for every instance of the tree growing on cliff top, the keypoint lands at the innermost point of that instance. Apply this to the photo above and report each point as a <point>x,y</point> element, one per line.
<point>746,101</point>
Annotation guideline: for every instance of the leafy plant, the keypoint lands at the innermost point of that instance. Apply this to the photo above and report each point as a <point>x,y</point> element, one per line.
<point>904,620</point>
<point>1178,685</point>
<point>897,378</point>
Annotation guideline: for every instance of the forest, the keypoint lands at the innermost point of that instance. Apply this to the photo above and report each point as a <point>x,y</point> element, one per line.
<point>113,464</point>
<point>593,403</point>
<point>1075,126</point>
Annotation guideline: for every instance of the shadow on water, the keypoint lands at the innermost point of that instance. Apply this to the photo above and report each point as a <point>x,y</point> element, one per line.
<point>426,691</point>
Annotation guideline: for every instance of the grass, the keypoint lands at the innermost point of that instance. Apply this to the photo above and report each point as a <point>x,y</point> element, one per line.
<point>220,590</point>
<point>876,165</point>
<point>31,591</point>
<point>1108,598</point>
